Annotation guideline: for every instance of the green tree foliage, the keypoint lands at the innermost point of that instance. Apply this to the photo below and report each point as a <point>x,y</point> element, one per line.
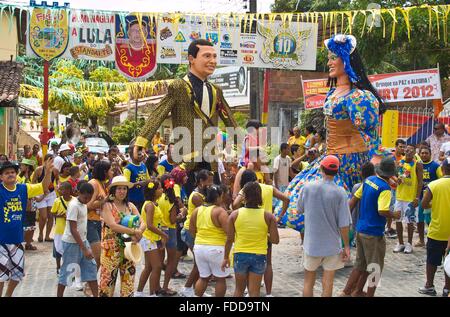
<point>125,132</point>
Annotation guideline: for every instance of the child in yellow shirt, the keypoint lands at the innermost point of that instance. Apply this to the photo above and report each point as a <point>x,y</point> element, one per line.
<point>59,210</point>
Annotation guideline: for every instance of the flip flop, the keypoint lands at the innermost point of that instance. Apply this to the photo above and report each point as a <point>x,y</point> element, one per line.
<point>40,240</point>
<point>30,247</point>
<point>167,292</point>
<point>178,275</point>
<point>49,240</point>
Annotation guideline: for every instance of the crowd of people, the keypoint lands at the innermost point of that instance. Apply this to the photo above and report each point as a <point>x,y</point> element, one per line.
<point>79,199</point>
<point>337,186</point>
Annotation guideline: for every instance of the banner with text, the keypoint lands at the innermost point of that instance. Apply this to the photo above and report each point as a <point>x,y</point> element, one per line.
<point>92,36</point>
<point>394,87</point>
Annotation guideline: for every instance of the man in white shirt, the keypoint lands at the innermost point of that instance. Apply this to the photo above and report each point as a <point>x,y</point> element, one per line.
<point>437,139</point>
<point>281,166</point>
<point>445,151</point>
<point>64,152</point>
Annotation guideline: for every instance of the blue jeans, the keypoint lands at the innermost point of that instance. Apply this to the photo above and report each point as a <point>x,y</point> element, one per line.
<point>248,262</point>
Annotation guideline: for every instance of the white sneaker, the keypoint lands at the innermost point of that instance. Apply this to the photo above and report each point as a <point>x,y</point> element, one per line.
<point>408,248</point>
<point>399,248</point>
<point>187,292</point>
<point>206,295</point>
<point>140,294</point>
<point>269,295</point>
<point>78,285</point>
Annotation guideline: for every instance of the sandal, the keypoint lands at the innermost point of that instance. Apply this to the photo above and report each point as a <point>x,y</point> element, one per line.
<point>167,292</point>
<point>30,247</point>
<point>178,275</point>
<point>49,240</point>
<point>40,240</point>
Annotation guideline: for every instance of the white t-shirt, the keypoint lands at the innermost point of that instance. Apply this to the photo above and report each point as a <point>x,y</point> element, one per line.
<point>76,211</point>
<point>446,149</point>
<point>281,170</point>
<point>58,162</point>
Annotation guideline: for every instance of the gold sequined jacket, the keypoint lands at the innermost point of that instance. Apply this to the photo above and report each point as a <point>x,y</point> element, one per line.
<point>180,102</point>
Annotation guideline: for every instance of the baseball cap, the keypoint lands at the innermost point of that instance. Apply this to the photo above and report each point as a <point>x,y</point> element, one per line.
<point>64,147</point>
<point>54,143</point>
<point>330,162</point>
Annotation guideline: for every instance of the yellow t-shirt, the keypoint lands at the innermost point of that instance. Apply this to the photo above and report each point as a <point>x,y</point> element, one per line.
<point>301,140</point>
<point>59,209</point>
<point>63,179</point>
<point>34,190</point>
<point>157,219</point>
<point>165,206</point>
<point>384,200</point>
<point>439,228</point>
<point>407,190</point>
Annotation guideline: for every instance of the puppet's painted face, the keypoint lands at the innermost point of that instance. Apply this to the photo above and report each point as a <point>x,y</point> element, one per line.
<point>206,61</point>
<point>335,65</point>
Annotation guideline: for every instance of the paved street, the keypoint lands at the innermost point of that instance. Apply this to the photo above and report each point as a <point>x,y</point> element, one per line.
<point>402,276</point>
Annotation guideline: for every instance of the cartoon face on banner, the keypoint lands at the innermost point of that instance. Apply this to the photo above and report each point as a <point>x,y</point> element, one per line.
<point>48,32</point>
<point>135,47</point>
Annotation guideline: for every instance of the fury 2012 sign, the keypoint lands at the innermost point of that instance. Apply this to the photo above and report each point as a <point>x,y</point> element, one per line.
<point>407,86</point>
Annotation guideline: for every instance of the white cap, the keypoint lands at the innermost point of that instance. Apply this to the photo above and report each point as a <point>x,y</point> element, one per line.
<point>63,147</point>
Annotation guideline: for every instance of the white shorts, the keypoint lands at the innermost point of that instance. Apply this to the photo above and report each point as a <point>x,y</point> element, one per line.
<point>403,206</point>
<point>329,263</point>
<point>148,245</point>
<point>48,201</point>
<point>57,240</point>
<point>209,260</point>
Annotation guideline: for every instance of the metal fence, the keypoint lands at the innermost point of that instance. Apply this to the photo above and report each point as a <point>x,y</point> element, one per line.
<point>418,123</point>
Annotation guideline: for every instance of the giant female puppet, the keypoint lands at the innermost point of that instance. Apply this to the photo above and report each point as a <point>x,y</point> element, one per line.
<point>351,109</point>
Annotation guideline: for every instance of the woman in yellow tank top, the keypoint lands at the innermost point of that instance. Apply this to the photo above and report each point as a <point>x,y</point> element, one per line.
<point>249,228</point>
<point>152,240</point>
<point>208,227</point>
<point>204,179</point>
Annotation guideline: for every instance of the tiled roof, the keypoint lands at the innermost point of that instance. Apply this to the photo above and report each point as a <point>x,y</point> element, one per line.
<point>10,79</point>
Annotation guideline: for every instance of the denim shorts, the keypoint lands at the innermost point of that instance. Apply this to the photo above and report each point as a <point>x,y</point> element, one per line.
<point>172,242</point>
<point>248,262</point>
<point>187,238</point>
<point>74,263</point>
<point>424,215</point>
<point>94,231</point>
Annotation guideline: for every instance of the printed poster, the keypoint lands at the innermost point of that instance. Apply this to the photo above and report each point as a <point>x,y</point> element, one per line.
<point>135,49</point>
<point>48,32</point>
<point>279,45</point>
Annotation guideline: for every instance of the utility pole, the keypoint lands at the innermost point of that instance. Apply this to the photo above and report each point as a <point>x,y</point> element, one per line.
<point>254,78</point>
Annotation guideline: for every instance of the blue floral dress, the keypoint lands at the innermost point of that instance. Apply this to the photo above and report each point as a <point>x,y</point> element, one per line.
<point>361,107</point>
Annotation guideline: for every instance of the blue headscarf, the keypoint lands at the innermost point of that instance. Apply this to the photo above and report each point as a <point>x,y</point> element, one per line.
<point>342,46</point>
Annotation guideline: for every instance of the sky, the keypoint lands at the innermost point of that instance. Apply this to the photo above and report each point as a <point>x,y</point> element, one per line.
<point>198,6</point>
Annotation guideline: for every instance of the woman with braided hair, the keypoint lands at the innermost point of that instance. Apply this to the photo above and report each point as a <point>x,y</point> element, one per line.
<point>352,108</point>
